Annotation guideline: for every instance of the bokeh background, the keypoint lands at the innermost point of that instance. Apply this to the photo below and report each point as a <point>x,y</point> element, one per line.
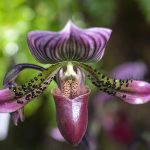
<point>130,41</point>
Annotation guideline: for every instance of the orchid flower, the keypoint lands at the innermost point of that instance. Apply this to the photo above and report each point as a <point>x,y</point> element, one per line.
<point>69,51</point>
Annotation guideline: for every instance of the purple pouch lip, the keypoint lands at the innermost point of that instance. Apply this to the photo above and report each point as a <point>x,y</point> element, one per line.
<point>72,115</point>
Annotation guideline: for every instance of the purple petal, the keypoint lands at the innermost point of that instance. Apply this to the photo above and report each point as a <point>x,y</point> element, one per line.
<point>6,95</point>
<point>17,116</point>
<point>137,92</point>
<point>72,115</point>
<point>71,43</point>
<point>136,70</point>
<point>55,134</point>
<point>8,103</point>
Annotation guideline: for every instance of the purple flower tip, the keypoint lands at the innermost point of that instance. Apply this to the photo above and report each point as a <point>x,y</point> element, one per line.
<point>137,92</point>
<point>8,102</point>
<point>71,43</point>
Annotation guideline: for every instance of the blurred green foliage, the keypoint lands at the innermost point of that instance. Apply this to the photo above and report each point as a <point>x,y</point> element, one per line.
<point>145,8</point>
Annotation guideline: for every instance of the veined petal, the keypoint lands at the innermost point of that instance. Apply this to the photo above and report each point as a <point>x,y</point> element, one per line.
<point>71,43</point>
<point>72,115</point>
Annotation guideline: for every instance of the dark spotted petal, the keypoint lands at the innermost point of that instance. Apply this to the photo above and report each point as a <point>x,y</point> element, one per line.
<point>10,81</point>
<point>16,97</point>
<point>131,91</point>
<point>71,43</point>
<point>124,71</point>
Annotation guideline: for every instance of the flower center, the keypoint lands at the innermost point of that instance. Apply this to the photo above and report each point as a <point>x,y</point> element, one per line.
<point>70,81</point>
<point>70,88</point>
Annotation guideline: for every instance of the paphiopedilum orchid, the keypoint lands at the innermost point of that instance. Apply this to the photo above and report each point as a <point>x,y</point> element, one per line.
<point>69,51</point>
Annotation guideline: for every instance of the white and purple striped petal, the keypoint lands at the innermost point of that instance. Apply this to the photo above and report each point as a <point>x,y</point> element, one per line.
<point>71,43</point>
